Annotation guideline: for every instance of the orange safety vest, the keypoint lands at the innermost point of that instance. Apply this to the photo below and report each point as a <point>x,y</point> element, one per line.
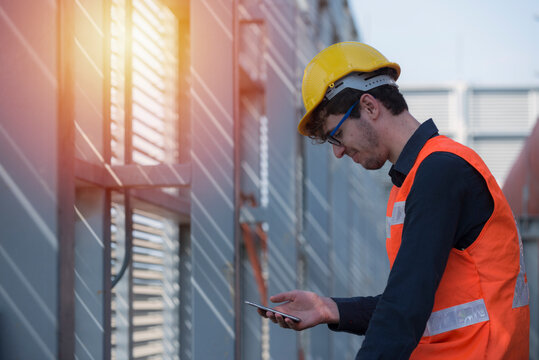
<point>481,305</point>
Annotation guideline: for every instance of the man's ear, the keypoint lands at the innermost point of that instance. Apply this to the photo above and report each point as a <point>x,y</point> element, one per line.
<point>370,104</point>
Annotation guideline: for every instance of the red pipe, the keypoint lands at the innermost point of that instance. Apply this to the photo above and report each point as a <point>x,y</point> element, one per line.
<point>254,260</point>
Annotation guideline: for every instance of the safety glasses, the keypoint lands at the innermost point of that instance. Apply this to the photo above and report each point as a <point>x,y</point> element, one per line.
<point>331,137</point>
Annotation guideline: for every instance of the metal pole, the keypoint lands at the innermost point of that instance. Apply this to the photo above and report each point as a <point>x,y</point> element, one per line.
<point>186,299</point>
<point>128,159</point>
<point>66,182</point>
<point>237,183</point>
<point>107,291</point>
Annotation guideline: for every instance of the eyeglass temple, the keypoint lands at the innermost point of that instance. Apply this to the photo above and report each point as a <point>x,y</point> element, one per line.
<point>343,118</point>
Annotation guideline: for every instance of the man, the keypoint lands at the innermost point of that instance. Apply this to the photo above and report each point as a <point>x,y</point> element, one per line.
<point>457,287</point>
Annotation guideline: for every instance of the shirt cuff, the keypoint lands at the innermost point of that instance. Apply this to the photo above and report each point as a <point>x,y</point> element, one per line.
<point>354,314</point>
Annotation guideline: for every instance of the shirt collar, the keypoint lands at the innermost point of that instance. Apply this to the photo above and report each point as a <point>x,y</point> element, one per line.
<point>406,160</point>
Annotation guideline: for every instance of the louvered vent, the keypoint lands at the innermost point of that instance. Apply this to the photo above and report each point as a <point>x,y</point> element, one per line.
<point>149,300</point>
<point>498,154</point>
<point>435,104</point>
<point>499,110</point>
<point>154,82</point>
<point>154,285</point>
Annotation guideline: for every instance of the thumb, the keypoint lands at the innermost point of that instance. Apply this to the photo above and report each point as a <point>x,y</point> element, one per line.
<point>286,296</point>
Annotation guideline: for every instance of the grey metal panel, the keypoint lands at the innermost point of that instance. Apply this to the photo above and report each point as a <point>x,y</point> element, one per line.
<point>342,222</point>
<point>253,183</point>
<point>212,195</point>
<point>336,16</point>
<point>531,254</point>
<point>313,340</point>
<point>27,273</point>
<point>28,244</point>
<point>317,216</point>
<point>90,202</point>
<point>88,79</point>
<point>281,112</point>
<point>252,322</point>
<point>317,235</point>
<point>325,27</point>
<point>347,208</point>
<point>89,287</point>
<point>341,207</point>
<point>371,199</point>
<point>360,267</point>
<point>308,10</point>
<point>251,113</point>
<point>305,50</point>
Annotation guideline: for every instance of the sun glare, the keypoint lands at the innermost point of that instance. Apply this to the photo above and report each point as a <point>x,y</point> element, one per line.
<point>153,77</point>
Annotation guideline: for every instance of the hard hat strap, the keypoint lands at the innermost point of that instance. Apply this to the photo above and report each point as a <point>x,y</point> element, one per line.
<point>358,81</point>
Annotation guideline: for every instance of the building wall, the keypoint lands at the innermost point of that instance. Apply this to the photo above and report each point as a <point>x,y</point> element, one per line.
<point>239,103</point>
<point>314,222</point>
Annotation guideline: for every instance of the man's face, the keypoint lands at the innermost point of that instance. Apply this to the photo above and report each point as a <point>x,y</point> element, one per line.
<point>359,140</point>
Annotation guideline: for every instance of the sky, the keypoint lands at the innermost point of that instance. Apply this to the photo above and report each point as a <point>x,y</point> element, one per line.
<point>478,42</point>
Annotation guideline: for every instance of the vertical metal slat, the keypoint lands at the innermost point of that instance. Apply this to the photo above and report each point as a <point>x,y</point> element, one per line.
<point>66,182</point>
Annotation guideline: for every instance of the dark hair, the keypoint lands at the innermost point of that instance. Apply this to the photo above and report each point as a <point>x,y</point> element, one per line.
<point>388,95</point>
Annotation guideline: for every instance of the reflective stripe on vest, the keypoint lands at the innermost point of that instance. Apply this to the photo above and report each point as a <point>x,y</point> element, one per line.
<point>456,317</point>
<point>521,296</point>
<point>397,217</point>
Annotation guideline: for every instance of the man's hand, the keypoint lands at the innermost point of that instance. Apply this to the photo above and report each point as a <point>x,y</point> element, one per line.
<point>308,306</point>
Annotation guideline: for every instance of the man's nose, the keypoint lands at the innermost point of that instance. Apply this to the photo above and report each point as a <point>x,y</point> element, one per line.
<point>338,151</point>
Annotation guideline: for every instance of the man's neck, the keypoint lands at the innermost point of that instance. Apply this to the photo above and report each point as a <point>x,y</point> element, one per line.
<point>403,127</point>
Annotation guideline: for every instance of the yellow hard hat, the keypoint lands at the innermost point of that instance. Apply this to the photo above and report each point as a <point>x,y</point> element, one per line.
<point>332,64</point>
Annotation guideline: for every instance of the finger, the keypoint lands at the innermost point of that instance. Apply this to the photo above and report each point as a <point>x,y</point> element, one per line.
<point>271,316</point>
<point>286,296</point>
<point>281,321</point>
<point>291,323</point>
<point>262,312</point>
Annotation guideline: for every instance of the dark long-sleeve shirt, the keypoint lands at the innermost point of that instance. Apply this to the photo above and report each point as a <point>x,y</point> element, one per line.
<point>447,207</point>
